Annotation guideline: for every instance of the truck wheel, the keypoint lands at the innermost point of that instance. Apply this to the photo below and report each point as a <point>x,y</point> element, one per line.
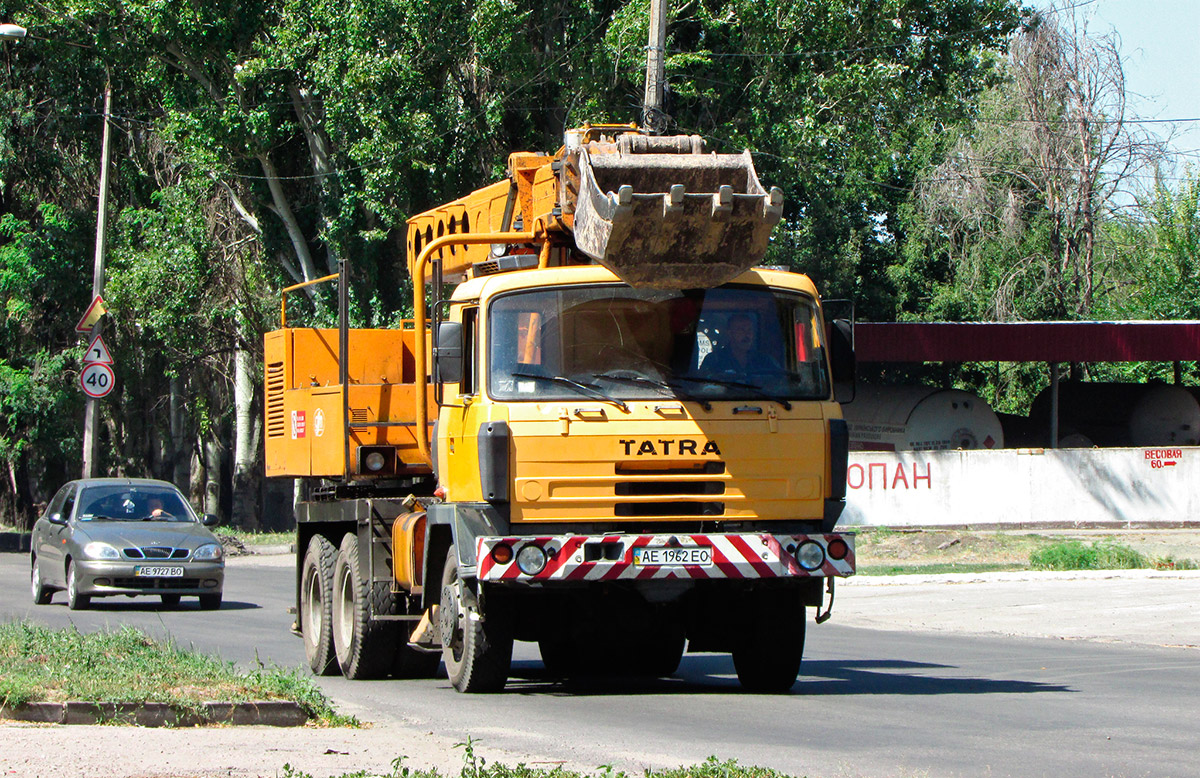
<point>476,647</point>
<point>364,648</point>
<point>316,605</point>
<point>660,654</point>
<point>769,659</point>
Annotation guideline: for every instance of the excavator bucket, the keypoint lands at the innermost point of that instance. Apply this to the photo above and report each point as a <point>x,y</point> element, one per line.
<point>661,213</point>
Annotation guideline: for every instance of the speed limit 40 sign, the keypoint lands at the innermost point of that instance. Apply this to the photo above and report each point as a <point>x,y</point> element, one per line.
<point>96,380</point>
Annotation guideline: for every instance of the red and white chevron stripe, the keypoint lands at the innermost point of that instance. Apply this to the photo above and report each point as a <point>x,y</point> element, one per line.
<point>734,556</point>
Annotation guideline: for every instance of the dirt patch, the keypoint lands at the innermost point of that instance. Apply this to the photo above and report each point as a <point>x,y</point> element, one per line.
<point>884,550</point>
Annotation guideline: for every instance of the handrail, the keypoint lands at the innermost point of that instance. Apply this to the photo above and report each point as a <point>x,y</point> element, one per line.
<point>283,295</point>
<point>421,415</point>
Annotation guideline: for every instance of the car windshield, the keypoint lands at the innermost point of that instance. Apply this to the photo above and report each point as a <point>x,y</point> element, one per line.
<point>730,343</point>
<point>132,503</point>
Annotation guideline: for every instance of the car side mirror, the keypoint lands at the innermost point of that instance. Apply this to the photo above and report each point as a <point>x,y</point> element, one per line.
<point>448,353</point>
<point>56,518</point>
<point>210,520</point>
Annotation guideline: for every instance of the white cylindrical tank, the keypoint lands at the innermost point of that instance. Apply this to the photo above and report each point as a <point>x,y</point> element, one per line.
<point>1121,414</point>
<point>920,418</point>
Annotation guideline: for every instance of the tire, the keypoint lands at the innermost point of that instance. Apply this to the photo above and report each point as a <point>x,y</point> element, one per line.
<point>364,649</point>
<point>559,657</point>
<point>660,654</point>
<point>316,606</point>
<point>75,600</point>
<point>210,602</point>
<point>768,662</point>
<point>169,600</point>
<point>476,645</point>
<point>42,594</point>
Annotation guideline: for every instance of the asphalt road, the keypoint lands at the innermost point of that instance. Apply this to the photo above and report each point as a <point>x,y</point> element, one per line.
<point>870,702</point>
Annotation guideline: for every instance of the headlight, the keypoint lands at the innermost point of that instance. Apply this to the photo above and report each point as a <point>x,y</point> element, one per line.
<point>98,550</point>
<point>810,555</point>
<point>375,461</point>
<point>209,552</point>
<point>531,559</point>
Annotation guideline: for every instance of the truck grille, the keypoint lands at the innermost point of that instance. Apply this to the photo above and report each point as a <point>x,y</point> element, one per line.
<point>657,509</point>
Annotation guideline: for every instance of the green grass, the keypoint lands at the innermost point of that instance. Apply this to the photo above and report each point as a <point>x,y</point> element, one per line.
<point>39,664</point>
<point>477,767</point>
<point>937,568</point>
<point>1076,555</point>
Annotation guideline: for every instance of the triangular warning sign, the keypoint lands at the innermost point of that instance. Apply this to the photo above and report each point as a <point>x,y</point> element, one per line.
<point>94,312</point>
<point>97,353</point>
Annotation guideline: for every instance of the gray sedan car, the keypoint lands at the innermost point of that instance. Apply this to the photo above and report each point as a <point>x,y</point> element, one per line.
<point>101,537</point>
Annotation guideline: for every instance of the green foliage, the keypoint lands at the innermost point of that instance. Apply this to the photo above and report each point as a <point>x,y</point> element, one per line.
<point>1076,555</point>
<point>127,666</point>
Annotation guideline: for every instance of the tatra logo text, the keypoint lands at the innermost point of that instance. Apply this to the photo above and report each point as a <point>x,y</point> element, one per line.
<point>666,447</point>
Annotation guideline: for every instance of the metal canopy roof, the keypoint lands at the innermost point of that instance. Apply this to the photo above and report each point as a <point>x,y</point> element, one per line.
<point>1045,341</point>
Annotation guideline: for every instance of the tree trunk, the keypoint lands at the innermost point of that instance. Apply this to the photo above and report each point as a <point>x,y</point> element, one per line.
<point>245,471</point>
<point>180,456</point>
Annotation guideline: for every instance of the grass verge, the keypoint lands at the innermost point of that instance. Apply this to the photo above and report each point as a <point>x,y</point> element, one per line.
<point>1077,555</point>
<point>39,664</point>
<point>476,767</point>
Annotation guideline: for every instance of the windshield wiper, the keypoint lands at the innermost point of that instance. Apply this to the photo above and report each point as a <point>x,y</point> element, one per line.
<point>671,389</point>
<point>591,391</point>
<point>756,390</point>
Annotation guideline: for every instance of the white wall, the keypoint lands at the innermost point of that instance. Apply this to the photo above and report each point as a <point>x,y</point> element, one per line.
<point>1022,486</point>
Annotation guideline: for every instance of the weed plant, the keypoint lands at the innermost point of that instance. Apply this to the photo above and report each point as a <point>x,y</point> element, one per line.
<point>39,664</point>
<point>1076,555</point>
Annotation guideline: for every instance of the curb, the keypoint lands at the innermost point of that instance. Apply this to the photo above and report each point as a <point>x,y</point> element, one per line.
<point>14,541</point>
<point>270,713</point>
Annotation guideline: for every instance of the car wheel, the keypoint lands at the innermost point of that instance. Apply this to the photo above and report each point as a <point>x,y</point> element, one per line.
<point>42,594</point>
<point>210,602</point>
<point>169,600</point>
<point>75,600</point>
<point>316,606</point>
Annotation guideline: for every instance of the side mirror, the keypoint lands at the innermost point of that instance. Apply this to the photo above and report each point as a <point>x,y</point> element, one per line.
<point>210,520</point>
<point>448,353</point>
<point>841,359</point>
<point>56,518</point>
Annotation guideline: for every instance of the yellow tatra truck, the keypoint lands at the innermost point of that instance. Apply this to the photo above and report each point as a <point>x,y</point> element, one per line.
<point>615,437</point>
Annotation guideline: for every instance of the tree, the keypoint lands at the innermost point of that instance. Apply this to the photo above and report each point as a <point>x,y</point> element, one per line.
<point>1017,207</point>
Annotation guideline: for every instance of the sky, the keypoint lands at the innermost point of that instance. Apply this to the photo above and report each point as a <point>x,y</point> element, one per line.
<point>1160,43</point>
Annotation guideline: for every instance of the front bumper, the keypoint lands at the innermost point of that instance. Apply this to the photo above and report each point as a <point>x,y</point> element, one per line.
<point>96,578</point>
<point>619,557</point>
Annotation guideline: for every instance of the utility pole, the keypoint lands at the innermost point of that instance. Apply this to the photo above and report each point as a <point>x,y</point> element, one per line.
<point>653,118</point>
<point>91,419</point>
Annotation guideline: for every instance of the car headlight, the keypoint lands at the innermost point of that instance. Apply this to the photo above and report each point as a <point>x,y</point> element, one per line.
<point>98,550</point>
<point>209,552</point>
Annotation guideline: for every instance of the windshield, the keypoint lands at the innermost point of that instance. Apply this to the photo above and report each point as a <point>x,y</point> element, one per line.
<point>133,503</point>
<point>729,343</point>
